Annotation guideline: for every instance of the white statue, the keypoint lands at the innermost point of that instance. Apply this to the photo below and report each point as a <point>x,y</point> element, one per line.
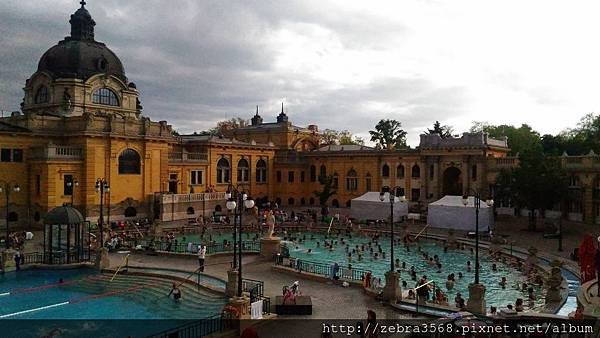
<point>271,224</point>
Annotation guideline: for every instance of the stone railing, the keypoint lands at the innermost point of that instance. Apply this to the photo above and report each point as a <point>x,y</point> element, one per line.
<point>468,140</point>
<point>187,198</point>
<point>55,152</point>
<point>188,157</point>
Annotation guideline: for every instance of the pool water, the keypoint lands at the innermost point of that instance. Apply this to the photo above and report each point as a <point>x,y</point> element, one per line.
<point>453,261</point>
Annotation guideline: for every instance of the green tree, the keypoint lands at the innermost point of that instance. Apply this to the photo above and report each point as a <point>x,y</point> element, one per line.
<point>228,125</point>
<point>443,131</point>
<point>329,137</point>
<point>388,134</point>
<point>346,137</point>
<point>327,190</point>
<point>538,183</point>
<point>520,140</point>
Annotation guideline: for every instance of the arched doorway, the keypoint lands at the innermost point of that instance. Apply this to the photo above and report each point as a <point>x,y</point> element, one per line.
<point>130,212</point>
<point>452,182</point>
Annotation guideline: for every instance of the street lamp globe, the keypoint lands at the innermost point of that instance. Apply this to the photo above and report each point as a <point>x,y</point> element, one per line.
<point>228,195</point>
<point>230,204</point>
<point>465,200</point>
<point>17,188</point>
<point>249,203</point>
<point>489,202</point>
<point>402,199</point>
<point>382,196</point>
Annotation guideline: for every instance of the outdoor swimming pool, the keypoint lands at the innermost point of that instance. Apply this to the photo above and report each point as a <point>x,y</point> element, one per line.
<point>85,294</point>
<point>453,261</point>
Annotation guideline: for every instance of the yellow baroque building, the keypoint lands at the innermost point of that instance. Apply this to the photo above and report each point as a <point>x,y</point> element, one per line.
<point>81,120</point>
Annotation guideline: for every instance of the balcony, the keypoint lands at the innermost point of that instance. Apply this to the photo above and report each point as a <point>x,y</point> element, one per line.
<point>188,157</point>
<point>187,198</point>
<point>56,153</point>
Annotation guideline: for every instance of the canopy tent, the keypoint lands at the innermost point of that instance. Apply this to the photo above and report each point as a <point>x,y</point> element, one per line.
<point>370,207</point>
<point>450,212</point>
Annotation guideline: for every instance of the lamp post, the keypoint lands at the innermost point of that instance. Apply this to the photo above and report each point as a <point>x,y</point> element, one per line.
<point>476,301</point>
<point>6,187</point>
<point>560,235</point>
<point>392,291</point>
<point>477,204</point>
<point>392,199</point>
<point>102,187</point>
<point>238,201</point>
<point>72,184</point>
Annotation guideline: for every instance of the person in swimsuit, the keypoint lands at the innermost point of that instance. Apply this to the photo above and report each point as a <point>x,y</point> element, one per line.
<point>176,292</point>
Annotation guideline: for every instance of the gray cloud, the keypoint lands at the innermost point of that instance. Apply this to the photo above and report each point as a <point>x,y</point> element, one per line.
<point>197,62</point>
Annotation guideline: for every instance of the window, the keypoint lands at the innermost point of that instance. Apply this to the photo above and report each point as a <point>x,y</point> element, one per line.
<point>400,171</point>
<point>431,172</point>
<point>129,162</point>
<point>261,171</point>
<point>290,176</point>
<point>278,176</point>
<point>17,155</point>
<point>323,171</point>
<point>303,201</point>
<point>313,173</point>
<point>416,171</point>
<point>13,216</point>
<point>173,183</point>
<point>335,182</point>
<point>311,201</point>
<point>68,185</point>
<point>573,179</point>
<point>38,185</point>
<point>105,96</point>
<point>400,191</point>
<point>190,211</point>
<point>223,171</point>
<point>243,171</point>
<point>415,195</point>
<point>474,172</point>
<point>5,155</point>
<point>385,171</point>
<point>291,201</point>
<point>368,181</point>
<point>302,176</point>
<point>41,96</point>
<point>196,177</point>
<point>335,203</point>
<point>351,181</point>
<point>130,212</point>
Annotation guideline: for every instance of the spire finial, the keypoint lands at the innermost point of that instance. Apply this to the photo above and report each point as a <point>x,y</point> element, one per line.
<point>82,2</point>
<point>256,110</point>
<point>282,108</point>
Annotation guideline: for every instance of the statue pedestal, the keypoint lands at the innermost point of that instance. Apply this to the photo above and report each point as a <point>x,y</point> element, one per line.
<point>476,301</point>
<point>392,292</point>
<point>269,246</point>
<point>102,261</point>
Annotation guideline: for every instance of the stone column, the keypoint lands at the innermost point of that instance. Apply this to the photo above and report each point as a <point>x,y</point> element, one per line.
<point>392,292</point>
<point>476,301</point>
<point>232,281</point>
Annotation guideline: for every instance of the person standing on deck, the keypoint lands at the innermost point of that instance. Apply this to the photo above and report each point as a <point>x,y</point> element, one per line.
<point>201,256</point>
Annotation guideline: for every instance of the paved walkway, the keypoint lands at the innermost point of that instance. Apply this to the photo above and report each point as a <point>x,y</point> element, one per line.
<point>329,301</point>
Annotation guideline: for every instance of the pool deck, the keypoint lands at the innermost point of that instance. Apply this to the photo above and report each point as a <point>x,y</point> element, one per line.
<point>329,301</point>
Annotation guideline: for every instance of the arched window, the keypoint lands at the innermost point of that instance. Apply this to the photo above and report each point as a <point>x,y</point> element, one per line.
<point>335,182</point>
<point>311,201</point>
<point>348,203</point>
<point>41,96</point>
<point>261,171</point>
<point>13,216</point>
<point>291,201</point>
<point>368,182</point>
<point>190,211</point>
<point>313,173</point>
<point>323,171</point>
<point>223,171</point>
<point>351,180</point>
<point>431,171</point>
<point>400,171</point>
<point>130,212</point>
<point>303,201</point>
<point>278,201</point>
<point>385,170</point>
<point>129,162</point>
<point>416,171</point>
<point>243,171</point>
<point>105,96</point>
<point>474,172</point>
<point>335,203</point>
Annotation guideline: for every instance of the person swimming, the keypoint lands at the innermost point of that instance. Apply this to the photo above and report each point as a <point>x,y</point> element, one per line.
<point>468,266</point>
<point>494,267</point>
<point>175,291</point>
<point>503,282</point>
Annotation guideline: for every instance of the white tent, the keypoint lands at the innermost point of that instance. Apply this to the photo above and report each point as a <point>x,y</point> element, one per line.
<point>450,212</point>
<point>370,207</point>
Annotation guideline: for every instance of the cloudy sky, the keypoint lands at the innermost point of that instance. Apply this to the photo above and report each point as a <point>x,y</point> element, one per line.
<point>337,63</point>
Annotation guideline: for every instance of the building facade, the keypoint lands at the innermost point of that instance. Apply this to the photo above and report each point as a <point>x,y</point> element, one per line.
<point>81,120</point>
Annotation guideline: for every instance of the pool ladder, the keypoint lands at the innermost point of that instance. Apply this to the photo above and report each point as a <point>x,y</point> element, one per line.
<point>125,263</point>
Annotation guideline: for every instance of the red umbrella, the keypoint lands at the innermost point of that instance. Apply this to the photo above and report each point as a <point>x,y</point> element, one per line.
<point>587,258</point>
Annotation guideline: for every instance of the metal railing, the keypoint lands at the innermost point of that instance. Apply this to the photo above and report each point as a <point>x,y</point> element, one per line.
<point>180,247</point>
<point>344,272</point>
<point>56,257</point>
<point>256,289</point>
<point>200,328</point>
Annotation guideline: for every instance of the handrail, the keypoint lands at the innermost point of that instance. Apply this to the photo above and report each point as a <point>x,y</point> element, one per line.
<point>125,261</point>
<point>330,224</point>
<point>420,232</point>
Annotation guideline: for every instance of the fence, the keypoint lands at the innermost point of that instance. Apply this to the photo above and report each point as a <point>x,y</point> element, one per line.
<point>196,329</point>
<point>247,246</point>
<point>322,269</point>
<point>56,257</point>
<point>256,290</point>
